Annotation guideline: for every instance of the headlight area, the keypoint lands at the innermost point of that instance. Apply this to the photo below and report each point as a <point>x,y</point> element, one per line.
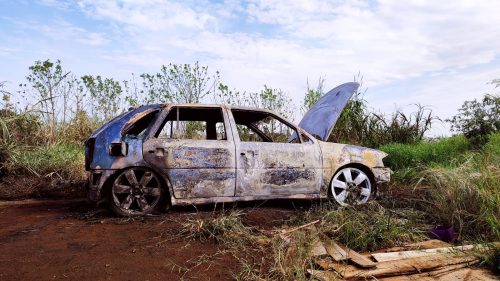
<point>381,174</point>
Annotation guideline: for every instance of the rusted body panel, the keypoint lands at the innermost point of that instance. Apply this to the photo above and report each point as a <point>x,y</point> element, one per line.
<point>195,168</point>
<point>337,155</point>
<point>221,170</point>
<point>277,168</point>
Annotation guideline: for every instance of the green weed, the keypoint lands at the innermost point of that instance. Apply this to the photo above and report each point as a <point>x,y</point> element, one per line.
<point>444,152</point>
<point>63,161</point>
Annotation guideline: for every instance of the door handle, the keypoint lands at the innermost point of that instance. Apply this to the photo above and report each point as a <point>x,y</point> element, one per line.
<point>251,152</point>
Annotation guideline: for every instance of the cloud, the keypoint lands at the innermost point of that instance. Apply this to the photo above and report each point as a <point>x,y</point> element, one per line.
<point>282,43</point>
<point>148,15</point>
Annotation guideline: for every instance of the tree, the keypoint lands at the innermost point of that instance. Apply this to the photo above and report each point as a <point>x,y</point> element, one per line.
<point>105,94</point>
<point>312,95</point>
<point>275,100</point>
<point>46,78</point>
<point>478,119</point>
<point>179,83</point>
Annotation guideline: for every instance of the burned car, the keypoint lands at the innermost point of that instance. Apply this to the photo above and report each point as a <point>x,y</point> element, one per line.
<point>155,156</point>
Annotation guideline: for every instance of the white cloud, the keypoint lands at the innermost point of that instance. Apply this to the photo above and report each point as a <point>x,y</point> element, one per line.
<point>282,43</point>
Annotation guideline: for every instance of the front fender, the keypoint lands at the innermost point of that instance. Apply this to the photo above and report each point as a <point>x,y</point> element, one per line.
<point>336,155</point>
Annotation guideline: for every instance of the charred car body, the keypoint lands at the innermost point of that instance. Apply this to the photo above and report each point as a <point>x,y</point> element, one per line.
<point>177,154</point>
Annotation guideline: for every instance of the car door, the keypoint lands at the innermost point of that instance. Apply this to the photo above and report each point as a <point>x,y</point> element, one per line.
<point>268,162</point>
<point>193,147</point>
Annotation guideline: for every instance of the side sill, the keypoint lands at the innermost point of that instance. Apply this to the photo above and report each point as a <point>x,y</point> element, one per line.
<point>208,200</point>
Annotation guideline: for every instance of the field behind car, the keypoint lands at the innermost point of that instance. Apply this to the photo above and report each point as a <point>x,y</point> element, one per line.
<point>448,181</point>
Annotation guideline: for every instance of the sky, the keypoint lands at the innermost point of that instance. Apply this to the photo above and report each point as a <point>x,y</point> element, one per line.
<point>435,53</point>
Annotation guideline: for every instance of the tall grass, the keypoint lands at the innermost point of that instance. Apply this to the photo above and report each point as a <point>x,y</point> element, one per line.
<point>63,161</point>
<point>358,125</point>
<point>444,152</point>
<point>468,196</point>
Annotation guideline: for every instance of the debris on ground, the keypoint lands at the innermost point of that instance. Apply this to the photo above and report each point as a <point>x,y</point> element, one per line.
<point>429,260</point>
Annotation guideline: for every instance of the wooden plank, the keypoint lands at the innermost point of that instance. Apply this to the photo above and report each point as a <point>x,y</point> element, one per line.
<point>406,266</point>
<point>428,244</point>
<point>318,249</point>
<point>357,258</point>
<point>381,257</point>
<point>431,275</point>
<point>336,252</point>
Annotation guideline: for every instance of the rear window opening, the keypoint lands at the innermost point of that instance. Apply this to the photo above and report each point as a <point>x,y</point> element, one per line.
<point>193,123</point>
<point>138,124</point>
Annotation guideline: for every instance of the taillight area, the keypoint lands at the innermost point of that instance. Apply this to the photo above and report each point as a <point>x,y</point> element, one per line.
<point>89,152</point>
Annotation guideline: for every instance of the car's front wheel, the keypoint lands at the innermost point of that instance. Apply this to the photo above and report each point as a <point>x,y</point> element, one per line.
<point>350,186</point>
<point>136,191</point>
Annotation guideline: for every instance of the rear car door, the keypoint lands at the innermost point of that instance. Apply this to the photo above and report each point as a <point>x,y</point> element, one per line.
<point>269,160</point>
<point>193,147</point>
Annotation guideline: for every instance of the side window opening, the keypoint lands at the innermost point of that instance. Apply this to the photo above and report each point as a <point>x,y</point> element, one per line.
<point>138,124</point>
<point>256,126</point>
<point>193,123</point>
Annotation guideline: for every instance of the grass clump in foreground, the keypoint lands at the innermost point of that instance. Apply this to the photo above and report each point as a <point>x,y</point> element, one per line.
<point>63,161</point>
<point>455,186</point>
<point>467,197</point>
<point>369,226</point>
<point>226,229</point>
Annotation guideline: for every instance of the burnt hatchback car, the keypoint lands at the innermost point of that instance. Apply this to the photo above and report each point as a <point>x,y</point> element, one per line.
<point>155,156</point>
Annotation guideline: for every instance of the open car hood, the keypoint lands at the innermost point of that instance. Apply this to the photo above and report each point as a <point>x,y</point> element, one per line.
<point>321,118</point>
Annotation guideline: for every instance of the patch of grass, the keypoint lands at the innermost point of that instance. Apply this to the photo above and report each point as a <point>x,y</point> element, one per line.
<point>292,259</point>
<point>444,152</point>
<point>226,228</point>
<point>370,226</point>
<point>467,196</point>
<point>62,161</point>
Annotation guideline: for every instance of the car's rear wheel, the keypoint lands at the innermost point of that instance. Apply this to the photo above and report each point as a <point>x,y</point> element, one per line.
<point>350,186</point>
<point>136,191</point>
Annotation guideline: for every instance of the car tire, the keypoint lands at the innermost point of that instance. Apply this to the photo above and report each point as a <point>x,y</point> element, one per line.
<point>351,186</point>
<point>136,191</point>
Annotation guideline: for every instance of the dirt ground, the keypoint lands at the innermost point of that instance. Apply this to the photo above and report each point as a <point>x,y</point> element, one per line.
<point>61,240</point>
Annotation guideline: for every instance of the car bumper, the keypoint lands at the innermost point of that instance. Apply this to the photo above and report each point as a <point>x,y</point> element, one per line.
<point>96,181</point>
<point>381,174</point>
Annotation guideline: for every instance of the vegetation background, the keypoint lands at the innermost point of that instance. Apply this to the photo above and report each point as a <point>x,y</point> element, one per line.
<point>445,181</point>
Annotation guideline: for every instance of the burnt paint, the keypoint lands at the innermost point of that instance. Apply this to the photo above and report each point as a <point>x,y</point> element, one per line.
<point>109,133</point>
<point>208,172</point>
<point>337,155</point>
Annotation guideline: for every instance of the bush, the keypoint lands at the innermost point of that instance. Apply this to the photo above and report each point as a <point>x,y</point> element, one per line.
<point>62,161</point>
<point>478,119</point>
<point>445,152</point>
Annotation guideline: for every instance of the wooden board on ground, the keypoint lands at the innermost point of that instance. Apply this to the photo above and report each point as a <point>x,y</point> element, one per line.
<point>334,250</point>
<point>428,244</point>
<point>380,257</point>
<point>357,258</point>
<point>318,249</point>
<point>400,267</point>
<point>462,274</point>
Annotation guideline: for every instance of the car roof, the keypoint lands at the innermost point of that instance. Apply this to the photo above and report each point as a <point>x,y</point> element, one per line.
<point>203,105</point>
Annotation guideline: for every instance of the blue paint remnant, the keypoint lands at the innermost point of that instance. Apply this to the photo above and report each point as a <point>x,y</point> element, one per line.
<point>109,133</point>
